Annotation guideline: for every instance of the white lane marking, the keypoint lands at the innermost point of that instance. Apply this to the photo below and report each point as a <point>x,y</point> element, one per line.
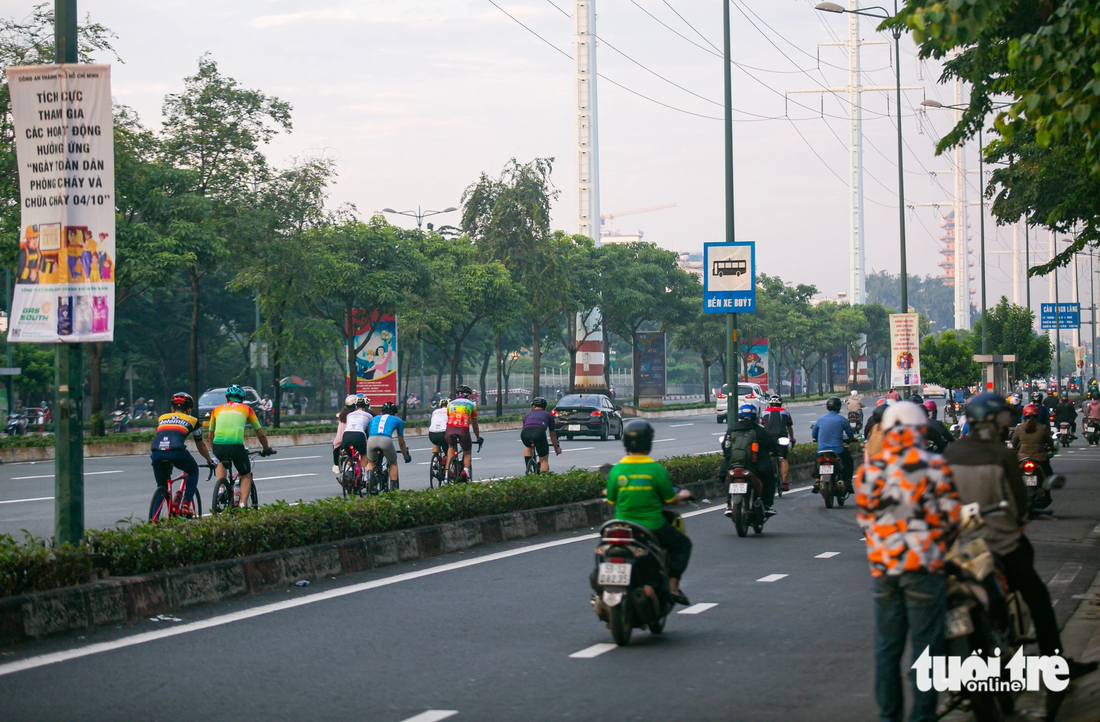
<point>594,651</point>
<point>771,578</point>
<point>719,433</point>
<point>50,476</point>
<point>285,476</point>
<point>432,715</point>
<point>579,448</point>
<point>657,441</point>
<point>698,608</point>
<point>1065,575</point>
<point>826,555</point>
<point>285,458</point>
<point>423,463</point>
<point>676,426</point>
<point>55,657</point>
<point>16,501</point>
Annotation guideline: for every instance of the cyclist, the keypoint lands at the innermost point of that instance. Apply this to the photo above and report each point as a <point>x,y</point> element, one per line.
<point>461,417</point>
<point>227,424</point>
<point>355,427</point>
<point>341,423</point>
<point>437,426</point>
<point>170,449</point>
<point>536,423</point>
<point>380,438</point>
<point>778,423</point>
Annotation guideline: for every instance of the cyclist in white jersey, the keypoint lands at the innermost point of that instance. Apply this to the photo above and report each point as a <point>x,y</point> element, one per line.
<point>355,427</point>
<point>438,426</point>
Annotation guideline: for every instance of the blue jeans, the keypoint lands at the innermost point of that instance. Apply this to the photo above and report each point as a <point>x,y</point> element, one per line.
<point>911,605</point>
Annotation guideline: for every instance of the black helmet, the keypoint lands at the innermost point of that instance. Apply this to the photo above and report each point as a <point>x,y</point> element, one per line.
<point>182,400</point>
<point>833,404</point>
<point>538,402</point>
<point>985,407</point>
<point>638,436</point>
<point>389,408</point>
<point>1036,397</point>
<point>917,399</point>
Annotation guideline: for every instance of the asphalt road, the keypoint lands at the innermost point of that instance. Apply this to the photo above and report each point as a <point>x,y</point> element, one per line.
<point>506,632</point>
<point>117,488</point>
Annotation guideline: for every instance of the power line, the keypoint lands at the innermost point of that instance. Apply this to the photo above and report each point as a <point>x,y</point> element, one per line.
<point>765,36</point>
<point>704,37</point>
<point>826,164</point>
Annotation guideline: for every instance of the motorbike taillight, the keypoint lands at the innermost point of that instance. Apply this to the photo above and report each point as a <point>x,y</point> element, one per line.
<point>618,536</point>
<point>1029,467</point>
<point>824,459</point>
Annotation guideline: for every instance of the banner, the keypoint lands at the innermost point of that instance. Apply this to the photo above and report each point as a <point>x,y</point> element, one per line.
<point>1079,357</point>
<point>756,363</point>
<point>904,349</point>
<point>651,364</point>
<point>64,141</point>
<point>375,338</point>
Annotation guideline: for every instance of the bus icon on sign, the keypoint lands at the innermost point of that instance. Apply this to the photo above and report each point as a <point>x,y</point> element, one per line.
<point>730,268</point>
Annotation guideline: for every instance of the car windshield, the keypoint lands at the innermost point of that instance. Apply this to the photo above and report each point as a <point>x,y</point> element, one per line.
<point>213,397</point>
<point>741,390</point>
<point>590,400</point>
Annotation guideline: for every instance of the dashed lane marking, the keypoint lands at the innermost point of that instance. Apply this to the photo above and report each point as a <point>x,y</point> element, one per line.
<point>432,715</point>
<point>771,578</point>
<point>698,608</point>
<point>657,441</point>
<point>285,476</point>
<point>594,651</point>
<point>50,476</point>
<point>16,501</point>
<point>578,448</point>
<point>826,555</point>
<point>285,458</point>
<point>676,426</point>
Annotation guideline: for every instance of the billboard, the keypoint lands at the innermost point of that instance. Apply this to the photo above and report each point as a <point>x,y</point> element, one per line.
<point>64,140</point>
<point>756,363</point>
<point>374,336</point>
<point>1068,316</point>
<point>651,364</point>
<point>904,349</point>
<point>729,278</point>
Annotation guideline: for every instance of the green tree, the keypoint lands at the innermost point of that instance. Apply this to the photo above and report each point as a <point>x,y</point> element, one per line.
<point>580,260</point>
<point>946,360</point>
<point>705,334</point>
<point>1010,330</point>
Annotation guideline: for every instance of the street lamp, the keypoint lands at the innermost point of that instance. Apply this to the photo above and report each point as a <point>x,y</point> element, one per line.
<point>828,7</point>
<point>418,214</point>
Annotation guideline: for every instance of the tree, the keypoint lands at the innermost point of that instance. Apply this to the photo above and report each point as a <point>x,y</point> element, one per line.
<point>946,360</point>
<point>1010,330</point>
<point>705,334</point>
<point>580,260</point>
<point>215,128</point>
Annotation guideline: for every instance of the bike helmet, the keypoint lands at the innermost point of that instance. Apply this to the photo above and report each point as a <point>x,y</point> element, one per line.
<point>833,404</point>
<point>464,392</point>
<point>916,399</point>
<point>182,400</point>
<point>444,402</point>
<point>234,392</point>
<point>776,400</point>
<point>389,408</point>
<point>349,400</point>
<point>638,436</point>
<point>1036,397</point>
<point>746,411</point>
<point>1014,400</point>
<point>988,407</point>
<point>361,401</point>
<point>904,413</point>
<point>538,402</point>
<point>1031,411</point>
<point>930,406</point>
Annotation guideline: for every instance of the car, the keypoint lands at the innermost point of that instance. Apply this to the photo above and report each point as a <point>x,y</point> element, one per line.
<point>216,397</point>
<point>931,390</point>
<point>588,415</point>
<point>747,393</point>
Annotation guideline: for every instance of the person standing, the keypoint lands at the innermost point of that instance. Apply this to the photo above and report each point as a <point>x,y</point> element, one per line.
<point>908,508</point>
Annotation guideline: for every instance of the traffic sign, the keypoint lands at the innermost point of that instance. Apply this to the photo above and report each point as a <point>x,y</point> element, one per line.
<point>729,281</point>
<point>1069,316</point>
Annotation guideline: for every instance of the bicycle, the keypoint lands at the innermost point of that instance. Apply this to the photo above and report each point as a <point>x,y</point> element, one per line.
<point>161,508</point>
<point>437,472</point>
<point>456,471</point>
<point>533,462</point>
<point>351,473</point>
<point>777,474</point>
<point>379,477</point>
<point>227,490</point>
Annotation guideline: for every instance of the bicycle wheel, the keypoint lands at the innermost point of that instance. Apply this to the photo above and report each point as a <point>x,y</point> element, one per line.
<point>158,507</point>
<point>253,496</point>
<point>435,472</point>
<point>777,474</point>
<point>223,497</point>
<point>197,502</point>
<point>530,465</point>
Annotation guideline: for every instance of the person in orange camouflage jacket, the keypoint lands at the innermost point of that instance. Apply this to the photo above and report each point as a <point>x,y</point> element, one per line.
<point>909,511</point>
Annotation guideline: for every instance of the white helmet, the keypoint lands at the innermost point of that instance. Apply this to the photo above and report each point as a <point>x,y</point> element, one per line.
<point>349,400</point>
<point>854,393</point>
<point>904,413</point>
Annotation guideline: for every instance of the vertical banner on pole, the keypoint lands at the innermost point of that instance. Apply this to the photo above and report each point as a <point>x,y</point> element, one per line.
<point>904,349</point>
<point>64,140</point>
<point>375,339</point>
<point>651,365</point>
<point>756,363</point>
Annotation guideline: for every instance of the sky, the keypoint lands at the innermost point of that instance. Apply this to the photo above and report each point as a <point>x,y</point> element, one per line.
<point>414,99</point>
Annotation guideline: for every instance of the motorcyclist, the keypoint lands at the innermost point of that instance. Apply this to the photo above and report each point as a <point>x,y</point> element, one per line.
<point>830,432</point>
<point>872,432</point>
<point>1066,413</point>
<point>986,474</point>
<point>777,422</point>
<point>937,436</point>
<point>747,428</point>
<point>638,488</point>
<point>1016,408</point>
<point>854,402</point>
<point>1032,439</point>
<point>1040,408</point>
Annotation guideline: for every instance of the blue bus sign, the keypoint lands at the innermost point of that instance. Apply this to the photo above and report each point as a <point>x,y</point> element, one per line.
<point>1069,316</point>
<point>729,278</point>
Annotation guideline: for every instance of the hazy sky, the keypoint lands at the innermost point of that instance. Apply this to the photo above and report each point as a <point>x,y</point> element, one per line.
<point>414,98</point>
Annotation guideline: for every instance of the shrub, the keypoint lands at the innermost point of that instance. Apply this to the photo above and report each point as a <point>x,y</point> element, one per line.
<point>36,566</point>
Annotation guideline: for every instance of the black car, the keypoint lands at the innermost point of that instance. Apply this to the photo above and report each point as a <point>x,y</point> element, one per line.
<point>212,398</point>
<point>588,415</point>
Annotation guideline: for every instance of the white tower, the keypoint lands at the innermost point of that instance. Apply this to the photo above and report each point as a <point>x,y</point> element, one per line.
<point>856,283</point>
<point>962,229</point>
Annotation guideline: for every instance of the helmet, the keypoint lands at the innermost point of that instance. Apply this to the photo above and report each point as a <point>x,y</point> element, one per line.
<point>349,400</point>
<point>444,402</point>
<point>538,402</point>
<point>881,401</point>
<point>776,400</point>
<point>904,413</point>
<point>746,411</point>
<point>1014,400</point>
<point>361,402</point>
<point>389,408</point>
<point>1031,410</point>
<point>986,406</point>
<point>183,400</point>
<point>1036,397</point>
<point>931,407</point>
<point>463,392</point>
<point>854,393</point>
<point>917,399</point>
<point>638,436</point>
<point>234,392</point>
<point>833,404</point>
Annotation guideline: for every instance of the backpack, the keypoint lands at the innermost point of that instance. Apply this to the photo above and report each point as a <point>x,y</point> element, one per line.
<point>775,425</point>
<point>741,447</point>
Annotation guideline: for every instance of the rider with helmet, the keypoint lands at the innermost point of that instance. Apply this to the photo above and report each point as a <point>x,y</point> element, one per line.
<point>341,426</point>
<point>355,423</point>
<point>227,425</point>
<point>1032,438</point>
<point>536,423</point>
<point>777,422</point>
<point>437,425</point>
<point>739,442</point>
<point>638,487</point>
<point>1016,409</point>
<point>461,418</point>
<point>830,432</point>
<point>1066,412</point>
<point>854,402</point>
<point>1041,408</point>
<point>937,436</point>
<point>170,449</point>
<point>380,440</point>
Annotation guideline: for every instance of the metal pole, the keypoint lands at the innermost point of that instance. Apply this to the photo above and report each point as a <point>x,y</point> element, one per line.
<point>1092,298</point>
<point>1057,330</point>
<point>731,319</point>
<point>68,422</point>
<point>11,385</point>
<point>259,353</point>
<point>1027,260</point>
<point>901,176</point>
<point>423,398</point>
<point>981,224</point>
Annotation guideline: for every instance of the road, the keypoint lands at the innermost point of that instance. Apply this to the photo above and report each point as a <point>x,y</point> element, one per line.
<point>506,632</point>
<point>117,488</point>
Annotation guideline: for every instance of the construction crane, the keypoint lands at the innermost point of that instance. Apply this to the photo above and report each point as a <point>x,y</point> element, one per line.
<point>636,211</point>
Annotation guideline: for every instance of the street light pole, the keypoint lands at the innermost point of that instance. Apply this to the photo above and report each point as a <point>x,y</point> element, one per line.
<point>981,225</point>
<point>732,360</point>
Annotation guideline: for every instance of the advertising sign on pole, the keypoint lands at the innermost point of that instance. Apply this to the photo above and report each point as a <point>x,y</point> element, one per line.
<point>1079,357</point>
<point>905,349</point>
<point>651,365</point>
<point>375,339</point>
<point>756,363</point>
<point>729,278</point>
<point>1068,319</point>
<point>64,141</point>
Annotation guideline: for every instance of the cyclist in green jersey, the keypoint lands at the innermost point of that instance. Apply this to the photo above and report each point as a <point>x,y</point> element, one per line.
<point>639,488</point>
<point>227,425</point>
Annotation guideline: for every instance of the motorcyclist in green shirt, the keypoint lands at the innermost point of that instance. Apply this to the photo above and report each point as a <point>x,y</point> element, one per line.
<point>638,487</point>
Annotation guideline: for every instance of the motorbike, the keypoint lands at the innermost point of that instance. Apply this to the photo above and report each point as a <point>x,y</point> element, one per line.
<point>1092,431</point>
<point>121,420</point>
<point>983,614</point>
<point>744,497</point>
<point>832,485</point>
<point>1065,436</point>
<point>1038,485</point>
<point>17,424</point>
<point>855,421</point>
<point>630,580</point>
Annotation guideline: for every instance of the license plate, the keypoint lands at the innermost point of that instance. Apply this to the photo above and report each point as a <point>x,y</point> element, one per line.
<point>826,468</point>
<point>957,623</point>
<point>614,575</point>
<point>739,487</point>
<point>1031,480</point>
<point>574,427</point>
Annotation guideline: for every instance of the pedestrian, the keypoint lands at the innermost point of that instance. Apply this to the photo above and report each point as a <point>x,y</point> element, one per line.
<point>908,509</point>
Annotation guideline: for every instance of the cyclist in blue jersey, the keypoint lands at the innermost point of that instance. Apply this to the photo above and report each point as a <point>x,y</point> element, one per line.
<point>380,438</point>
<point>536,423</point>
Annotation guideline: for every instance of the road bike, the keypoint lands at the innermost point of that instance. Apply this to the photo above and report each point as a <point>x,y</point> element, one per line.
<point>437,471</point>
<point>351,472</point>
<point>533,462</point>
<point>227,491</point>
<point>161,508</point>
<point>456,471</point>
<point>378,478</point>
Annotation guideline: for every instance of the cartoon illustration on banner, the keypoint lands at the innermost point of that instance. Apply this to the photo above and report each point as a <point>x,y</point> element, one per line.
<point>65,267</point>
<point>651,365</point>
<point>904,349</point>
<point>375,343</point>
<point>756,363</point>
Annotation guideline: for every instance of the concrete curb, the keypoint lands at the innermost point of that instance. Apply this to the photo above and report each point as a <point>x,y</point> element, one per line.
<point>1081,635</point>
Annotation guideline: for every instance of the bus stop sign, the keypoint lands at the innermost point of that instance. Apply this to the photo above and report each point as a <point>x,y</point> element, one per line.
<point>729,278</point>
